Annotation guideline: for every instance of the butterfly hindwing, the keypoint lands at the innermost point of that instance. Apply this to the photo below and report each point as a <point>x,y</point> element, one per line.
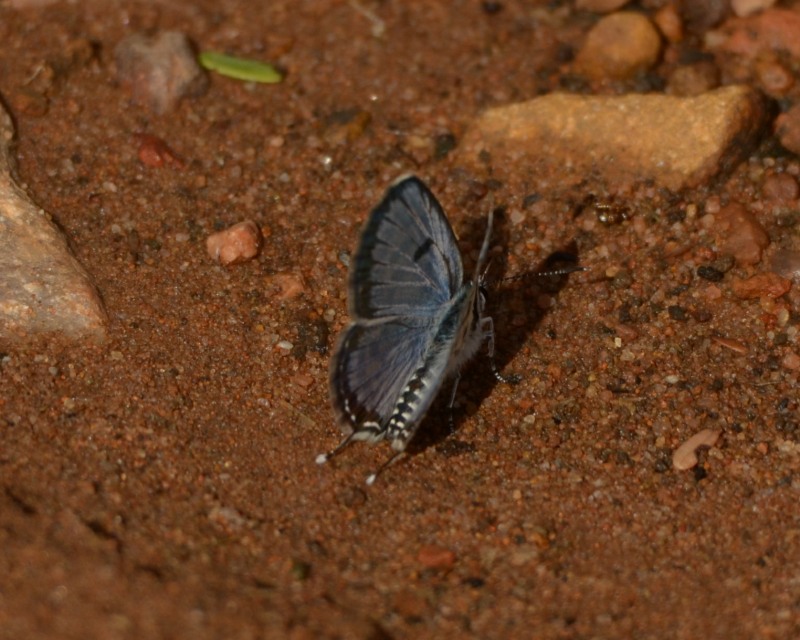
<point>371,365</point>
<point>408,262</point>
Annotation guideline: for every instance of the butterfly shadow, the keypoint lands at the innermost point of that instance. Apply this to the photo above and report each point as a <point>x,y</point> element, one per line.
<point>512,304</point>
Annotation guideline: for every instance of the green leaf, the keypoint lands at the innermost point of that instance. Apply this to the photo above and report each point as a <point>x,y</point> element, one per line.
<point>239,68</point>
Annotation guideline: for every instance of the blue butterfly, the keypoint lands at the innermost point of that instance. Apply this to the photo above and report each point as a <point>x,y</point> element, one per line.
<point>415,321</point>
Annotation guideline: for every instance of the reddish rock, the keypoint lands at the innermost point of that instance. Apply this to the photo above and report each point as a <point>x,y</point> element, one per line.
<point>346,126</point>
<point>159,71</point>
<point>781,187</point>
<point>787,128</point>
<point>669,23</point>
<point>739,234</point>
<point>729,343</point>
<point>775,79</point>
<point>772,30</point>
<point>43,288</point>
<point>239,243</point>
<point>671,141</point>
<point>791,361</point>
<point>432,556</point>
<point>289,285</point>
<point>685,456</point>
<point>763,285</point>
<point>618,47</point>
<point>154,152</point>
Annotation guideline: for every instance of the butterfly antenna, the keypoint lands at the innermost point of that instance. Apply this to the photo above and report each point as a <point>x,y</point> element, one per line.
<point>482,256</point>
<point>374,476</point>
<point>322,458</point>
<point>563,271</point>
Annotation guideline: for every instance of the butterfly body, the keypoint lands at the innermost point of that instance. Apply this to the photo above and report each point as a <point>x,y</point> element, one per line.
<point>415,321</point>
<point>457,339</point>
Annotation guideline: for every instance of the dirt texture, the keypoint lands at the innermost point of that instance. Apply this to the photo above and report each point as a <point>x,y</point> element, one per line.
<point>162,484</point>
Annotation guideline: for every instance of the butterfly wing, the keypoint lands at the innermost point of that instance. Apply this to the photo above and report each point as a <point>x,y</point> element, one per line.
<point>408,262</point>
<point>372,364</point>
<point>404,272</point>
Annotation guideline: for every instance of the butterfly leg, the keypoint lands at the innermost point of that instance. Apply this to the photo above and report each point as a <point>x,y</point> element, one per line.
<point>450,418</point>
<point>322,458</point>
<point>487,328</point>
<point>373,476</point>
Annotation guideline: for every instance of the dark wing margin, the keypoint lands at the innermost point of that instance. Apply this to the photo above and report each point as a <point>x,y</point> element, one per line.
<point>407,262</point>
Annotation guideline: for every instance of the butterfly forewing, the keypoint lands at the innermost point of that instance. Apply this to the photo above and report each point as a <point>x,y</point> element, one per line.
<point>408,262</point>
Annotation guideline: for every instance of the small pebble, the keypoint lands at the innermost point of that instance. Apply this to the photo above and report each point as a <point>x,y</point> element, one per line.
<point>791,361</point>
<point>730,343</point>
<point>432,556</point>
<point>699,15</point>
<point>669,22</point>
<point>239,243</point>
<point>677,313</point>
<point>227,518</point>
<point>685,456</point>
<point>154,152</point>
<point>302,380</point>
<point>710,273</point>
<point>781,187</point>
<point>712,293</point>
<point>762,285</point>
<point>787,128</point>
<point>786,263</point>
<point>693,79</point>
<point>774,78</point>
<point>740,234</point>
<point>346,126</point>
<point>618,47</point>
<point>290,285</point>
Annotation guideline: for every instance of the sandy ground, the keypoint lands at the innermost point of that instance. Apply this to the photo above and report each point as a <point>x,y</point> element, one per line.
<point>163,485</point>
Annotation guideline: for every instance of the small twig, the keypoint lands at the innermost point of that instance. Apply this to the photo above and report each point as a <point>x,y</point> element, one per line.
<point>378,25</point>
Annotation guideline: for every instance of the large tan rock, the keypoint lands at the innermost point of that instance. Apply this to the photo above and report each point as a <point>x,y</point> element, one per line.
<point>674,142</point>
<point>43,288</point>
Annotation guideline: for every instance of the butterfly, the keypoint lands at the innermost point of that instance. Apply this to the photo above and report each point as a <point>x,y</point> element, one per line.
<point>414,320</point>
